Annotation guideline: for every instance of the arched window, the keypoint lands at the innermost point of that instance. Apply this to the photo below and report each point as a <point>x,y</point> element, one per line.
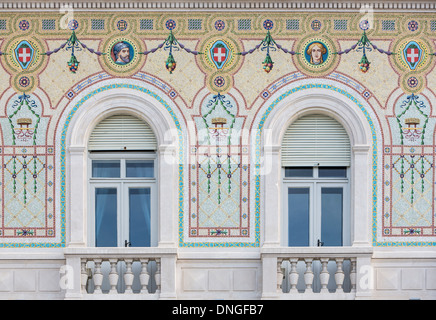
<point>122,183</point>
<point>316,160</point>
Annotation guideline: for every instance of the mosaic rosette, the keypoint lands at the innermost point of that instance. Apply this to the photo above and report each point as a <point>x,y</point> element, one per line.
<point>24,82</point>
<point>218,82</point>
<point>411,82</point>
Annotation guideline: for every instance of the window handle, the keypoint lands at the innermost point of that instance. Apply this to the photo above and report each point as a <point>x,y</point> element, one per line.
<point>127,243</point>
<point>320,243</point>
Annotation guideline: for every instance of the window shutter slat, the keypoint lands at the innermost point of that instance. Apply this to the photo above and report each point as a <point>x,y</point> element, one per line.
<point>316,139</point>
<point>122,132</point>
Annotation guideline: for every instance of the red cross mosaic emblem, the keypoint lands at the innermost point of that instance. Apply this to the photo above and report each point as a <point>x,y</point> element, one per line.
<point>24,53</point>
<point>413,54</point>
<point>220,53</point>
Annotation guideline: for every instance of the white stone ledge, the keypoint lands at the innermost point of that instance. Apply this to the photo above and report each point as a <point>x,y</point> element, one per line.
<point>31,254</point>
<point>404,253</point>
<point>317,252</point>
<point>120,252</point>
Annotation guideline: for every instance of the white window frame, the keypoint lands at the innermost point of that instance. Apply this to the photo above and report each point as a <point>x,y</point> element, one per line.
<point>294,106</point>
<point>122,185</point>
<point>315,184</point>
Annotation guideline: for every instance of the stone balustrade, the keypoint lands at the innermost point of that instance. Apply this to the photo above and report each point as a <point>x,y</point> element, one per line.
<point>121,273</point>
<point>313,273</point>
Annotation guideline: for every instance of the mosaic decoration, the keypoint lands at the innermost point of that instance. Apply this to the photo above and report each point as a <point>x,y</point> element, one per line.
<point>409,163</point>
<point>412,54</point>
<point>364,45</point>
<point>220,25</point>
<point>24,54</point>
<point>27,173</point>
<point>219,173</point>
<point>223,87</point>
<point>171,44</point>
<point>268,44</point>
<point>73,44</point>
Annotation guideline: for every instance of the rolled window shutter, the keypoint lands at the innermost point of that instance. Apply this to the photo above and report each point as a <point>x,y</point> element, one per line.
<point>316,139</point>
<point>122,132</point>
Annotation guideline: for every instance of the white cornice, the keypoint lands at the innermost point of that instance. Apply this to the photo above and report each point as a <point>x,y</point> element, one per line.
<point>223,5</point>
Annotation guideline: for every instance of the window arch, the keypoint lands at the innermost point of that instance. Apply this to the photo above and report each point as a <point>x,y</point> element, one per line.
<point>350,116</point>
<point>315,156</point>
<point>122,183</point>
<point>142,106</point>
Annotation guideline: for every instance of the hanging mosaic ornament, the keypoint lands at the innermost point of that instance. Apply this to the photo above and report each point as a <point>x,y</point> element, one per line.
<point>73,45</point>
<point>171,43</point>
<point>364,45</point>
<point>268,64</point>
<point>267,44</point>
<point>73,64</point>
<point>170,63</point>
<point>364,64</point>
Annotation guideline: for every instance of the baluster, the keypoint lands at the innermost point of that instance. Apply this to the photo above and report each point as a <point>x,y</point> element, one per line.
<point>279,275</point>
<point>308,274</point>
<point>83,275</point>
<point>293,275</point>
<point>157,276</point>
<point>113,276</point>
<point>353,276</point>
<point>128,276</point>
<point>339,275</point>
<point>98,276</point>
<point>324,275</point>
<point>144,277</point>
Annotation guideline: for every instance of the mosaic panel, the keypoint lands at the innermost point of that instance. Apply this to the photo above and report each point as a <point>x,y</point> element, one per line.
<point>409,178</point>
<point>220,203</point>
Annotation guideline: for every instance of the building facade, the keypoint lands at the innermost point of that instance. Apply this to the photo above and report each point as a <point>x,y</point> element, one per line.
<point>231,150</point>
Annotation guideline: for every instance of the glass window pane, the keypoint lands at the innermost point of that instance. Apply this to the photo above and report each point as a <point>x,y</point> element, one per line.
<point>139,169</point>
<point>298,217</point>
<point>106,168</point>
<point>299,172</point>
<point>331,216</point>
<point>332,172</point>
<point>105,217</point>
<point>139,217</point>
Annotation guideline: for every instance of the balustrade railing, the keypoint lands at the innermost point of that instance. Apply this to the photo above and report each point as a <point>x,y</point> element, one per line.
<point>119,273</point>
<point>313,273</point>
<point>120,276</point>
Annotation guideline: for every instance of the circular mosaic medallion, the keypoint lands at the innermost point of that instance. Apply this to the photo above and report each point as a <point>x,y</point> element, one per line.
<point>317,56</point>
<point>412,82</point>
<point>24,81</point>
<point>219,82</point>
<point>220,25</point>
<point>122,55</point>
<point>268,24</point>
<point>316,25</point>
<point>364,25</point>
<point>24,25</point>
<point>122,25</point>
<point>73,24</point>
<point>413,25</point>
<point>170,24</point>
